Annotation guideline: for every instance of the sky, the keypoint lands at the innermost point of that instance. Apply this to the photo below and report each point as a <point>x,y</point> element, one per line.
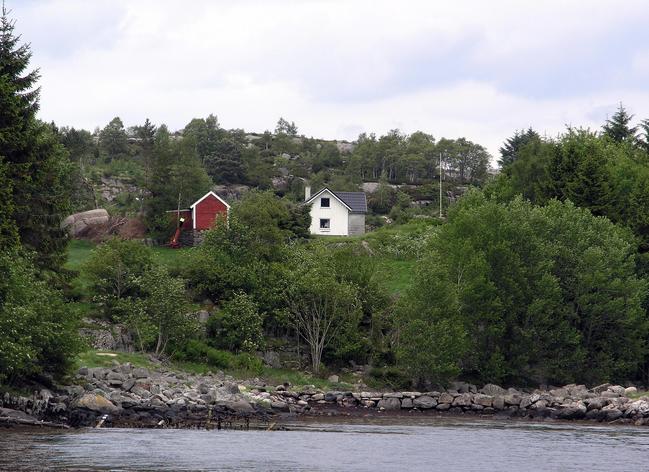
<point>477,69</point>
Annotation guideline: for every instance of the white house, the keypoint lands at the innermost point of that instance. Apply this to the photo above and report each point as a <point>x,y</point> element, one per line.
<point>336,213</point>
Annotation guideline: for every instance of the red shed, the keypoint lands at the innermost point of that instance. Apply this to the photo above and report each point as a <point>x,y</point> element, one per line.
<point>200,216</point>
<point>206,209</point>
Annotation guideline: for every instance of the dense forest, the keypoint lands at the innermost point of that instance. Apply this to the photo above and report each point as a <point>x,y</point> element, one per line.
<point>538,274</point>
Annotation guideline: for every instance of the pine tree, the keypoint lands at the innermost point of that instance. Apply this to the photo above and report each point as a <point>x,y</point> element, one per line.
<point>35,163</point>
<point>512,146</point>
<point>643,139</point>
<point>618,127</point>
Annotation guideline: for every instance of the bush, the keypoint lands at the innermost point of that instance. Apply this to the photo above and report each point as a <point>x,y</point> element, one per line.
<point>112,269</point>
<point>392,377</point>
<point>38,332</point>
<point>238,326</point>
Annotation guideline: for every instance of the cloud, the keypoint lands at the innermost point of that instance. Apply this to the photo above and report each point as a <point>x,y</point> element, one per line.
<point>336,67</point>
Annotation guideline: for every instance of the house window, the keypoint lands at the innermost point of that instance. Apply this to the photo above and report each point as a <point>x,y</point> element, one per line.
<point>324,203</point>
<point>325,224</point>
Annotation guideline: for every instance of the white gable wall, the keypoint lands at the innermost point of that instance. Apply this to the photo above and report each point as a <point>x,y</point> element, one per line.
<point>337,213</point>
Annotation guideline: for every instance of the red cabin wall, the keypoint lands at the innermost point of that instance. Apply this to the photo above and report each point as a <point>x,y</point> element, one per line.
<point>207,212</point>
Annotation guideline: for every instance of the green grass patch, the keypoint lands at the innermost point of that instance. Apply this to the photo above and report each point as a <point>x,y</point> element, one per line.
<point>93,358</point>
<point>395,275</point>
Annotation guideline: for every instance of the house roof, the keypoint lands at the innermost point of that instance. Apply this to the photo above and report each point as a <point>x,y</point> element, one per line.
<point>207,195</point>
<point>356,202</point>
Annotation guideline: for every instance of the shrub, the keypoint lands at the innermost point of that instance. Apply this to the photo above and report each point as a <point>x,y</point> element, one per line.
<point>238,326</point>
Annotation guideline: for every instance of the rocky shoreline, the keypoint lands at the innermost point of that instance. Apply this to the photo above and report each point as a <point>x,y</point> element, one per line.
<point>128,396</point>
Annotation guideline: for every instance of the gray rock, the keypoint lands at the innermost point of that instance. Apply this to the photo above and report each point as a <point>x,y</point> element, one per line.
<point>333,379</point>
<point>141,373</point>
<point>406,403</point>
<point>512,399</point>
<point>443,406</point>
<point>272,359</point>
<point>424,402</point>
<point>493,390</point>
<point>115,376</point>
<point>128,384</point>
<point>465,399</point>
<point>617,389</point>
<point>572,411</point>
<point>390,403</point>
<point>393,395</point>
<point>481,399</point>
<point>498,403</point>
<point>610,413</point>
<point>445,398</point>
<point>601,388</point>
<point>96,403</point>
<point>317,397</point>
<point>630,391</point>
<point>597,403</point>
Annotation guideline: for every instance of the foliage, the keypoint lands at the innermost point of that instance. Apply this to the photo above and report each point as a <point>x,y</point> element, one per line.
<point>528,286</point>
<point>113,141</point>
<point>177,179</point>
<point>34,169</point>
<point>37,330</point>
<point>159,313</point>
<point>509,152</point>
<point>618,127</point>
<point>320,305</point>
<point>238,325</point>
<point>112,272</point>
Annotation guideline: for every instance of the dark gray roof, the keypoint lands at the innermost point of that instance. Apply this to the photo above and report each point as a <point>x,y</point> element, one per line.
<point>354,200</point>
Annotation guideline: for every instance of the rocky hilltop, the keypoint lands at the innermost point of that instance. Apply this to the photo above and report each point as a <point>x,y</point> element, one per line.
<point>128,396</point>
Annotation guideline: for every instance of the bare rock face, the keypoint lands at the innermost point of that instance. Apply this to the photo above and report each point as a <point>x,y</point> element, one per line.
<point>79,222</point>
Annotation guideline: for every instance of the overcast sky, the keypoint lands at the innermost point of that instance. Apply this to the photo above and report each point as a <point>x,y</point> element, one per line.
<point>479,69</point>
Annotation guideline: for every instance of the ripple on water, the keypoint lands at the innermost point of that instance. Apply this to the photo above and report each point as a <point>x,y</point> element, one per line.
<point>371,445</point>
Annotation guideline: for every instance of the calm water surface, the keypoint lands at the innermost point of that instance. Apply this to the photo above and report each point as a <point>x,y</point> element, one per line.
<point>394,445</point>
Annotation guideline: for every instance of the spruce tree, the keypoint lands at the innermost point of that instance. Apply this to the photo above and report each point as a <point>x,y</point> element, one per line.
<point>32,161</point>
<point>512,146</point>
<point>618,127</point>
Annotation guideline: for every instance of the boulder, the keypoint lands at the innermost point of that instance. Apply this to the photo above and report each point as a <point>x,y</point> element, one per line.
<point>424,402</point>
<point>617,389</point>
<point>464,399</point>
<point>141,373</point>
<point>610,413</point>
<point>390,403</point>
<point>498,402</point>
<point>443,406</point>
<point>445,398</point>
<point>512,399</point>
<point>393,395</point>
<point>597,403</point>
<point>481,399</point>
<point>630,391</point>
<point>75,224</point>
<point>406,403</point>
<point>272,359</point>
<point>94,402</point>
<point>239,406</point>
<point>333,379</point>
<point>637,408</point>
<point>493,390</point>
<point>601,388</point>
<point>572,411</point>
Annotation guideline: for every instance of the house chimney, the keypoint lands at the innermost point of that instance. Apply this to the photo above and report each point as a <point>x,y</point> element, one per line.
<point>307,192</point>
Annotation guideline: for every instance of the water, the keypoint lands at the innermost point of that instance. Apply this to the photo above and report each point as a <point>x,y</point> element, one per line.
<point>394,445</point>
